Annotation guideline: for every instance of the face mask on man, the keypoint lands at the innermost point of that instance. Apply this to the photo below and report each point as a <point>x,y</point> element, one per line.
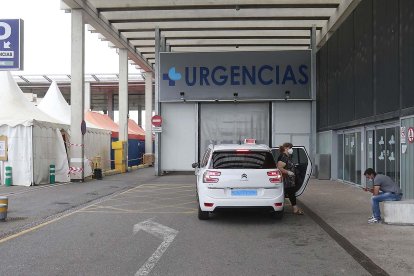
<point>290,151</point>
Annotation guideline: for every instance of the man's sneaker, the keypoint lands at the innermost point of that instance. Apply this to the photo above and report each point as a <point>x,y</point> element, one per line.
<point>371,217</point>
<point>374,220</point>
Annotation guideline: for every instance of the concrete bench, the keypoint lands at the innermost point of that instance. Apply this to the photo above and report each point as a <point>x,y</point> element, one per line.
<point>399,212</point>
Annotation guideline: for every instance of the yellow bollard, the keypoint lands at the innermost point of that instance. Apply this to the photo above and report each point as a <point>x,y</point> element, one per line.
<point>4,204</point>
<point>120,155</point>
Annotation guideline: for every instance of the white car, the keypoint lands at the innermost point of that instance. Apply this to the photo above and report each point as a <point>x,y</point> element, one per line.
<point>233,176</point>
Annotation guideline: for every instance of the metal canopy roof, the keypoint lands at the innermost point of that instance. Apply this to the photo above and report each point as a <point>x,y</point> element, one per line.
<point>212,25</point>
<point>62,78</point>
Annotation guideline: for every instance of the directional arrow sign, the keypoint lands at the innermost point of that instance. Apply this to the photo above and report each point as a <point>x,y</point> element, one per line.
<point>163,232</point>
<point>11,44</point>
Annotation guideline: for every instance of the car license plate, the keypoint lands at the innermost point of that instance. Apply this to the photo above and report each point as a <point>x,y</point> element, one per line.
<point>244,192</point>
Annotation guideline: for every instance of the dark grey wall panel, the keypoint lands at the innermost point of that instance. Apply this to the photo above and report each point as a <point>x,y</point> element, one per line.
<point>364,104</point>
<point>370,60</point>
<point>333,80</point>
<point>322,88</point>
<point>346,71</point>
<point>407,52</point>
<point>386,56</point>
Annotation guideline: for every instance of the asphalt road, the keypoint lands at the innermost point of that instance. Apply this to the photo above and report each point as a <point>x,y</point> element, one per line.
<point>98,238</point>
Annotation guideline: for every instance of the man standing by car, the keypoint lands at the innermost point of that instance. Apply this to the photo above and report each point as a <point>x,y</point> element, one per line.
<point>385,189</point>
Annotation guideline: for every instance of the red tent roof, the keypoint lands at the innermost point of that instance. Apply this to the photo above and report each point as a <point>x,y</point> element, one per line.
<point>101,120</point>
<point>132,125</point>
<point>105,122</point>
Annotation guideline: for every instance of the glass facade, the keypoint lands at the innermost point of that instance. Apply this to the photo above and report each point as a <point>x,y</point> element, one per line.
<point>349,157</point>
<point>340,156</point>
<point>387,157</point>
<point>369,153</point>
<point>381,153</point>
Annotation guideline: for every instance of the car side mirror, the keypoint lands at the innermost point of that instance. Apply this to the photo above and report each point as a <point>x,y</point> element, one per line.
<point>194,165</point>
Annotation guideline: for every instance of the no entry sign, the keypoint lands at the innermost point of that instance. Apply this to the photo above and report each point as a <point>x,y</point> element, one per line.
<point>156,120</point>
<point>411,135</point>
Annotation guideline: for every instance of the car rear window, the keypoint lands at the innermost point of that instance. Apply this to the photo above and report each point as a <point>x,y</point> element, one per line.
<point>242,160</point>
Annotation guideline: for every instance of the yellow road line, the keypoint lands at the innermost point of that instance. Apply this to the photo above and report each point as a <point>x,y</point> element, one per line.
<point>38,226</point>
<point>155,194</point>
<point>49,222</point>
<point>78,211</point>
<point>149,212</point>
<point>152,200</point>
<point>160,189</point>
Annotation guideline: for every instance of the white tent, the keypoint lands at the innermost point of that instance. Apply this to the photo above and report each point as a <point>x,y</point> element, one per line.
<point>97,141</point>
<point>34,138</point>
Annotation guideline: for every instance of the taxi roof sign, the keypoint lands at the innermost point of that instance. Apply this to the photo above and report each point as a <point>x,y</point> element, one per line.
<point>250,141</point>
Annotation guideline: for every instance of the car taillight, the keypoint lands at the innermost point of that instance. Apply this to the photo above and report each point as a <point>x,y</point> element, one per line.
<point>275,176</point>
<point>211,176</point>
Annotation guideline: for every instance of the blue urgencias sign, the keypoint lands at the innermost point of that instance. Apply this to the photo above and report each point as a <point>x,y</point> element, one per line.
<point>235,75</point>
<point>11,44</point>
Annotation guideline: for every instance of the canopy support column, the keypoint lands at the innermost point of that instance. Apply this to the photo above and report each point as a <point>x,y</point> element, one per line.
<point>87,96</point>
<point>148,112</point>
<point>313,95</point>
<point>157,155</point>
<point>123,98</point>
<point>139,118</point>
<point>77,96</point>
<point>110,107</point>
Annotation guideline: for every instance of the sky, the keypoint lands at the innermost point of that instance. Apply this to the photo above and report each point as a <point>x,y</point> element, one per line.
<point>47,40</point>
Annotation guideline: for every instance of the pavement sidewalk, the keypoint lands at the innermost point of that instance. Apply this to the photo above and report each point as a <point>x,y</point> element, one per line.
<point>346,208</point>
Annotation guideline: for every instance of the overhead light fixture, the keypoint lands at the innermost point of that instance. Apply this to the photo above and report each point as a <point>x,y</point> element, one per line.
<point>236,95</point>
<point>287,95</point>
<point>182,96</point>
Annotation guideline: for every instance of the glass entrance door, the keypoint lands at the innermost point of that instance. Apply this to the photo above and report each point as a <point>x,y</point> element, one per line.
<point>387,156</point>
<point>349,157</point>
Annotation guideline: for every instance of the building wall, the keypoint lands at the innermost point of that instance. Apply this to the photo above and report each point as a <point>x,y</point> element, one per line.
<point>364,71</point>
<point>407,160</point>
<point>291,123</point>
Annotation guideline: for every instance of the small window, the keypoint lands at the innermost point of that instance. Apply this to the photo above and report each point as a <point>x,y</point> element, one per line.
<point>205,158</point>
<point>243,160</point>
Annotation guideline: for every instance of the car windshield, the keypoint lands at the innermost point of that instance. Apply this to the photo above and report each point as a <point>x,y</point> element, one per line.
<point>234,159</point>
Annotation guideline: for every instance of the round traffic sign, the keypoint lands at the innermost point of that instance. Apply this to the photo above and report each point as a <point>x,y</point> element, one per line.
<point>411,135</point>
<point>83,127</point>
<point>156,120</point>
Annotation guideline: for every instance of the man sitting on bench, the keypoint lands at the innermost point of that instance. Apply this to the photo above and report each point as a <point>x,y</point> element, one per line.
<point>385,189</point>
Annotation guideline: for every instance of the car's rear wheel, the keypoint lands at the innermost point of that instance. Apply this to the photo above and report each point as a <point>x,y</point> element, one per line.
<point>203,215</point>
<point>278,215</point>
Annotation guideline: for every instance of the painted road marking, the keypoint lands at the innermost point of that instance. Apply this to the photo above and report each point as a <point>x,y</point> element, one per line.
<point>150,198</point>
<point>166,233</point>
<point>93,207</point>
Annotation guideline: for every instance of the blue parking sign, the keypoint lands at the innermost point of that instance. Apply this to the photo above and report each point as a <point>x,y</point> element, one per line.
<point>11,44</point>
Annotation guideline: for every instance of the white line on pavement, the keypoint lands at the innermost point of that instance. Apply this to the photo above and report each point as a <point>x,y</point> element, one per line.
<point>161,231</point>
